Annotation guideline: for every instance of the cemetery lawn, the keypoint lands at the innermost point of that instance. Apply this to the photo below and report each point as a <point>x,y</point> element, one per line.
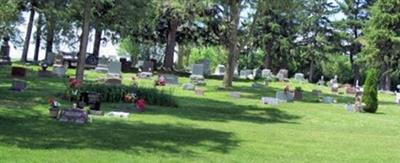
<point>213,128</point>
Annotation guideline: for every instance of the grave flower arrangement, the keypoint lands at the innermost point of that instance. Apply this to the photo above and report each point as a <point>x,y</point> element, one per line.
<point>140,105</point>
<point>54,108</point>
<point>72,91</point>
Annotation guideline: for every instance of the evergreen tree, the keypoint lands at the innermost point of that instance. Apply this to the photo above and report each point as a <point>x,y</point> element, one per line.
<point>351,27</point>
<point>317,33</point>
<point>370,97</point>
<point>382,40</point>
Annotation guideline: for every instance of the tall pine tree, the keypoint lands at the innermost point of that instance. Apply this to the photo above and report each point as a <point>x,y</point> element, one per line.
<point>382,40</point>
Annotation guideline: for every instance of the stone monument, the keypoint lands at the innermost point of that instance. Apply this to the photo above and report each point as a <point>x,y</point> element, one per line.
<point>5,52</point>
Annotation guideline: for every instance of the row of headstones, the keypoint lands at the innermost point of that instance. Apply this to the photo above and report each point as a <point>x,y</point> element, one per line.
<point>282,75</point>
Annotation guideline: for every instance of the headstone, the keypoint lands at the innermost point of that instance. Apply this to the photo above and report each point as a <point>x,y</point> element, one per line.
<point>5,52</point>
<point>45,73</point>
<point>50,58</point>
<point>114,69</point>
<point>147,70</point>
<point>281,95</point>
<point>58,60</point>
<point>126,66</point>
<point>74,115</point>
<point>148,66</point>
<point>282,75</point>
<point>18,72</point>
<point>266,74</point>
<point>18,85</point>
<point>327,100</point>
<point>113,81</point>
<point>197,76</point>
<point>321,81</point>
<point>206,66</point>
<point>171,79</point>
<point>102,65</point>
<point>398,98</point>
<point>220,70</point>
<point>58,67</point>
<point>246,74</point>
<point>188,86</point>
<point>90,99</point>
<point>299,77</point>
<point>270,101</point>
<point>234,95</point>
<point>118,114</point>
<point>59,71</point>
<point>199,92</point>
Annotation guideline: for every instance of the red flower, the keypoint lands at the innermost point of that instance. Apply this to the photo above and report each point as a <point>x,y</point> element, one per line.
<point>73,83</point>
<point>140,105</point>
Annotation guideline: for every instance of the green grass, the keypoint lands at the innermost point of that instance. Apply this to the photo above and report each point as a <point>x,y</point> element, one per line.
<point>213,128</point>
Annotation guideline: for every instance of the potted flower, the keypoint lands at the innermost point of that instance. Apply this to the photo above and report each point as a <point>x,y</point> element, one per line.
<point>298,93</point>
<point>54,108</point>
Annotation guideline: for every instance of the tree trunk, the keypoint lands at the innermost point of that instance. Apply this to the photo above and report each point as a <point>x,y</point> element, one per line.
<point>24,56</point>
<point>388,82</point>
<point>311,75</point>
<point>97,41</point>
<point>171,43</point>
<point>50,36</point>
<point>181,54</point>
<point>232,43</point>
<point>267,56</point>
<point>84,41</point>
<point>38,37</point>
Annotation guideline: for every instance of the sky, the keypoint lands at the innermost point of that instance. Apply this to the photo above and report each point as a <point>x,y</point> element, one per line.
<point>107,49</point>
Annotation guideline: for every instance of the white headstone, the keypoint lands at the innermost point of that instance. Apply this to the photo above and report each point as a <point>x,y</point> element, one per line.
<point>398,98</point>
<point>266,73</point>
<point>282,74</point>
<point>299,77</point>
<point>188,86</point>
<point>102,65</point>
<point>59,71</point>
<point>114,69</point>
<point>234,94</point>
<point>246,74</point>
<point>171,79</point>
<point>220,70</point>
<point>270,101</point>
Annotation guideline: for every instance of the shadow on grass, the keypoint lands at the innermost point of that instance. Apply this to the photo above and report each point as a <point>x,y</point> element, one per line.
<point>212,110</point>
<point>32,133</point>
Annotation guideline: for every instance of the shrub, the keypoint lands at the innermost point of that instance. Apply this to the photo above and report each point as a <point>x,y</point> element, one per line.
<point>110,93</point>
<point>370,96</point>
<point>298,89</point>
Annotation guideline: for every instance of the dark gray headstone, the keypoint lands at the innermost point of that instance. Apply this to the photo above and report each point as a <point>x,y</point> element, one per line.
<point>74,116</point>
<point>148,66</point>
<point>5,52</point>
<point>18,85</point>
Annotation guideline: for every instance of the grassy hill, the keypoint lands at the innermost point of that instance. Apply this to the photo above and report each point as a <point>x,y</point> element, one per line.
<point>211,128</point>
